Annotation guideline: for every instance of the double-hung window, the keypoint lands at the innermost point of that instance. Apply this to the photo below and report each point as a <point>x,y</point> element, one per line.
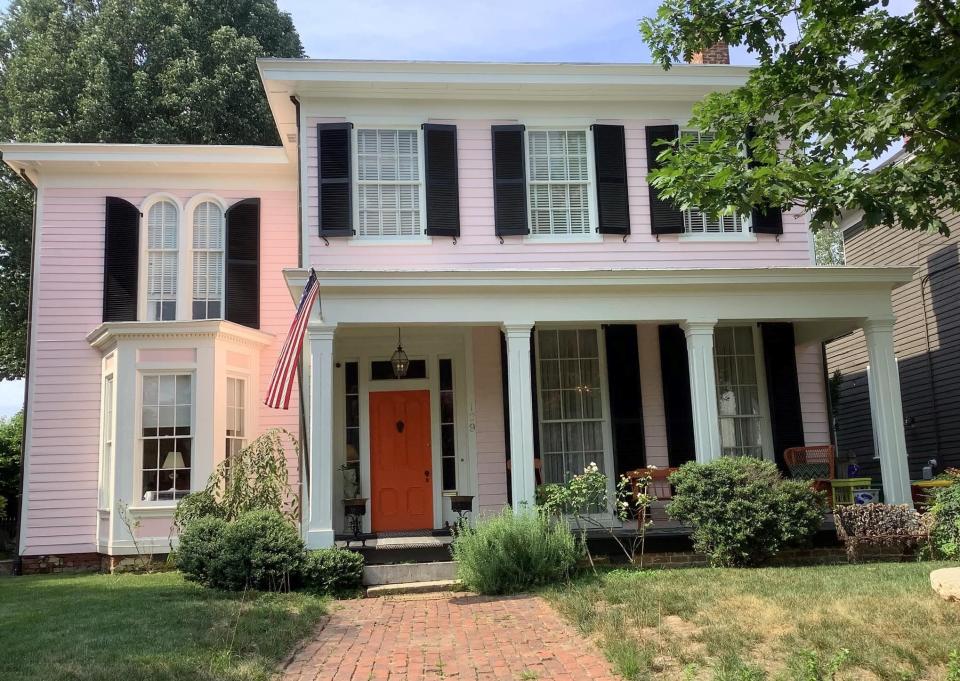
<point>162,261</point>
<point>694,220</point>
<point>208,234</point>
<point>558,182</point>
<point>571,402</point>
<point>389,183</point>
<point>106,438</point>
<point>236,417</point>
<point>166,416</point>
<point>738,391</point>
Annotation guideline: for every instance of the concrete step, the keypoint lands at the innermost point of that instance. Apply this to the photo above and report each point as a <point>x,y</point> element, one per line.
<point>406,573</point>
<point>413,588</point>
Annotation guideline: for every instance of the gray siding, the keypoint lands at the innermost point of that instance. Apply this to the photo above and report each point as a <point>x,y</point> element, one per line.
<point>927,341</point>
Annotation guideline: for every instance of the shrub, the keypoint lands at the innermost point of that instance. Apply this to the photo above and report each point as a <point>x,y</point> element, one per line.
<point>742,511</point>
<point>201,544</point>
<point>193,507</point>
<point>878,525</point>
<point>945,513</point>
<point>261,550</point>
<point>331,571</point>
<point>511,552</point>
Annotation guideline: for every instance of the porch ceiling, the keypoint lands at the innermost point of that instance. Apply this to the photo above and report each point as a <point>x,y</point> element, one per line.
<point>827,301</point>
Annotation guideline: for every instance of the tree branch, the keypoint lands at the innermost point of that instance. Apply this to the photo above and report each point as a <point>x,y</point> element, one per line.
<point>941,17</point>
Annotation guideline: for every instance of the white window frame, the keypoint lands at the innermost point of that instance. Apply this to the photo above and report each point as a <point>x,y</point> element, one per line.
<point>244,407</point>
<point>187,252</point>
<point>744,233</point>
<point>591,186</point>
<point>766,426</point>
<point>606,426</point>
<point>380,240</point>
<point>143,278</point>
<point>107,439</point>
<point>139,438</point>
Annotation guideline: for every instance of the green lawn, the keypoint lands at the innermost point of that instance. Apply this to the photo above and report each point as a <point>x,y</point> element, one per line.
<point>879,621</point>
<point>144,627</point>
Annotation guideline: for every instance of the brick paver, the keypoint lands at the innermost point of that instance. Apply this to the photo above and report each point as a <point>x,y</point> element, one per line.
<point>451,636</point>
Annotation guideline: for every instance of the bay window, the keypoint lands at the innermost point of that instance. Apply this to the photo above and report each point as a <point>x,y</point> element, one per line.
<point>106,447</point>
<point>236,417</point>
<point>558,182</point>
<point>389,183</point>
<point>166,421</point>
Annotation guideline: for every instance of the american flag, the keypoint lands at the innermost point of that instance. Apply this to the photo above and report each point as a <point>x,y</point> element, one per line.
<point>281,385</point>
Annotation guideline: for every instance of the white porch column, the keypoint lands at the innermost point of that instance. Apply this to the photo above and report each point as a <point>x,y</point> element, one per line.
<point>886,411</point>
<point>320,498</point>
<point>703,389</point>
<point>520,392</point>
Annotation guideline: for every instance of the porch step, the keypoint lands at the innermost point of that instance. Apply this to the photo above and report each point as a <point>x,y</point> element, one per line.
<point>409,573</point>
<point>406,588</point>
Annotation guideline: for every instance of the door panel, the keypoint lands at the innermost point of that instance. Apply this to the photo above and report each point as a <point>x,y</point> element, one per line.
<point>401,469</point>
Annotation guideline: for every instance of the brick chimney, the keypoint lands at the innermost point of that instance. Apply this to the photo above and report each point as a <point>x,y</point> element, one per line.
<point>718,54</point>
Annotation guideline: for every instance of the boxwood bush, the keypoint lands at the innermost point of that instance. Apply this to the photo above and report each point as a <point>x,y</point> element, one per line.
<point>512,552</point>
<point>201,543</point>
<point>332,571</point>
<point>742,511</point>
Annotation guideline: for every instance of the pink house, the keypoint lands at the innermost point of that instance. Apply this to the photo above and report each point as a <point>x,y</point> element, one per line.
<point>494,217</point>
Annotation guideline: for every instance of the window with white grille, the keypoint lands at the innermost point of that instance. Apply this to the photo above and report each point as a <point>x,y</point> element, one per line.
<point>694,220</point>
<point>236,417</point>
<point>571,402</point>
<point>208,235</point>
<point>166,421</point>
<point>162,263</point>
<point>389,183</point>
<point>738,391</point>
<point>106,438</point>
<point>558,182</point>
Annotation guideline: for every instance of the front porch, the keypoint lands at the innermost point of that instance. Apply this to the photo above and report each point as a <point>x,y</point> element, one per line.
<point>520,378</point>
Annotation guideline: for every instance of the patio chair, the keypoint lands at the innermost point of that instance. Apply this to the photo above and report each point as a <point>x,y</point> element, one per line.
<point>817,464</point>
<point>659,487</point>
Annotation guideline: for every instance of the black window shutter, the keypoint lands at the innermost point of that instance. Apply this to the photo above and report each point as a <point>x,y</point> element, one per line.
<point>334,161</point>
<point>610,156</point>
<point>675,375</point>
<point>783,387</point>
<point>763,219</point>
<point>665,217</point>
<point>242,281</point>
<point>121,259</point>
<point>626,409</point>
<point>442,187</point>
<point>509,181</point>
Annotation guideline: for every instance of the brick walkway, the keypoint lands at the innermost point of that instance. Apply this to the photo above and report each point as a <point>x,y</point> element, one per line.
<point>451,636</point>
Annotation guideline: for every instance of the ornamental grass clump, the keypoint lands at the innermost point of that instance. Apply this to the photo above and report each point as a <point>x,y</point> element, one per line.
<point>742,511</point>
<point>512,552</point>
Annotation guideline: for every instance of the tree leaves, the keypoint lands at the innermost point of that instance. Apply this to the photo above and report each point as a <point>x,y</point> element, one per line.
<point>854,82</point>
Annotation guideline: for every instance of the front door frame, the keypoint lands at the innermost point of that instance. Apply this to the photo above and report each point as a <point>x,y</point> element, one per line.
<point>367,344</point>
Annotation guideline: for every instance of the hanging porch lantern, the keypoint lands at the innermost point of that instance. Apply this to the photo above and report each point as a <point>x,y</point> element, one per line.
<point>399,360</point>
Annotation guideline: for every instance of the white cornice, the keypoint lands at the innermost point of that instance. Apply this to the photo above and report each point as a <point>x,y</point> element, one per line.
<point>109,333</point>
<point>329,280</point>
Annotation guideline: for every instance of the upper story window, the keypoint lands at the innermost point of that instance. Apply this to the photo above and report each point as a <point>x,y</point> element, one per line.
<point>697,222</point>
<point>558,180</point>
<point>208,235</point>
<point>162,261</point>
<point>389,183</point>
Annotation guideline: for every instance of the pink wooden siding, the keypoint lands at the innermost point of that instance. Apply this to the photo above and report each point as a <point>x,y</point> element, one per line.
<point>813,395</point>
<point>65,408</point>
<point>488,395</point>
<point>478,248</point>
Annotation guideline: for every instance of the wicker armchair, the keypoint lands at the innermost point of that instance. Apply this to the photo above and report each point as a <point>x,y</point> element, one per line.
<point>811,463</point>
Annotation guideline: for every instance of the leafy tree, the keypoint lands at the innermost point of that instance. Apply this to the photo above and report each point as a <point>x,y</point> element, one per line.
<point>164,71</point>
<point>828,245</point>
<point>11,434</point>
<point>839,83</point>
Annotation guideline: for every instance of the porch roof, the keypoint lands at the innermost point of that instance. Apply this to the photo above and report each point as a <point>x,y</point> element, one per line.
<point>825,302</point>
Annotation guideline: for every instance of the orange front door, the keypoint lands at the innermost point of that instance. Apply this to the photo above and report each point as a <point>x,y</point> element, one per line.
<point>401,479</point>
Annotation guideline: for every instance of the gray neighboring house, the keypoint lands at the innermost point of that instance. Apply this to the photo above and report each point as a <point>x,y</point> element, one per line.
<point>926,342</point>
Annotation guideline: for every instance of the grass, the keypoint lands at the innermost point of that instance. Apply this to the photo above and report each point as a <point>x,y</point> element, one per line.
<point>145,627</point>
<point>880,621</point>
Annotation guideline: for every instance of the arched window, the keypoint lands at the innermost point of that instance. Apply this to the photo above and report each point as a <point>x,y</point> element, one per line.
<point>208,235</point>
<point>162,261</point>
